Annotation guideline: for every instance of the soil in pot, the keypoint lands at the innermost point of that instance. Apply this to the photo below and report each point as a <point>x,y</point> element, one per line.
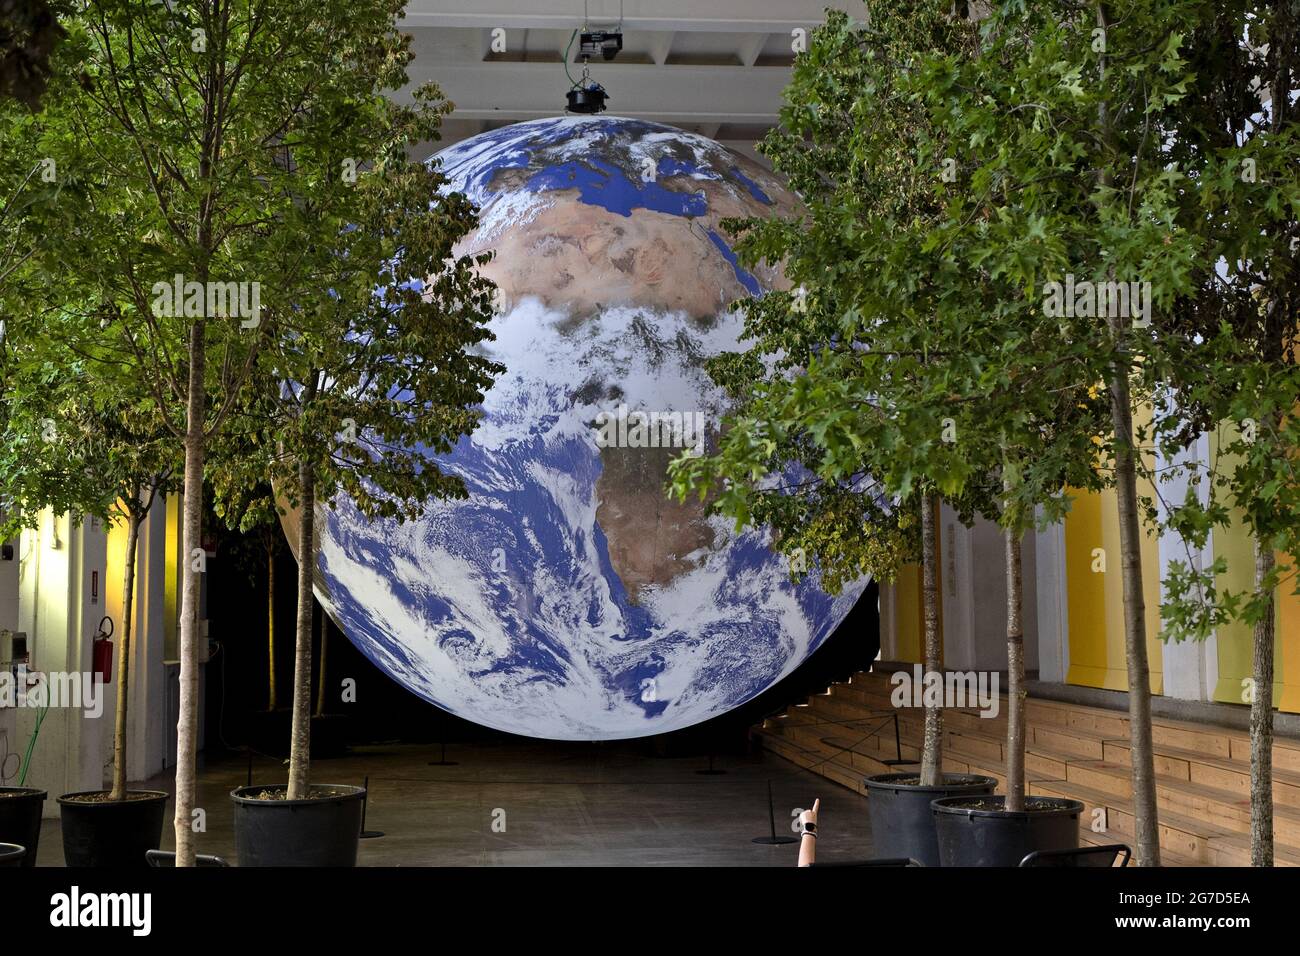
<point>101,832</point>
<point>977,831</point>
<point>899,807</point>
<point>20,819</point>
<point>322,830</point>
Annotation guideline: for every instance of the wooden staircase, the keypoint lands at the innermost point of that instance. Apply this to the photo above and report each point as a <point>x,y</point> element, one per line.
<point>1202,771</point>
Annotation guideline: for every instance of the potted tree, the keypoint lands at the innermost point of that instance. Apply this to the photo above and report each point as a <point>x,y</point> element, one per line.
<point>90,445</point>
<point>370,373</point>
<point>31,59</point>
<point>1234,358</point>
<point>187,209</point>
<point>1086,225</point>
<point>1000,830</point>
<point>171,198</point>
<point>841,364</point>
<point>1060,383</point>
<point>902,825</point>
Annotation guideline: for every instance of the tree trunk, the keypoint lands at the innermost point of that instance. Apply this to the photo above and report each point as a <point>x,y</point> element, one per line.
<point>270,626</point>
<point>1135,632</point>
<point>300,746</point>
<point>932,748</point>
<point>324,661</point>
<point>1130,542</point>
<point>1015,674</point>
<point>187,724</point>
<point>124,657</point>
<point>1261,722</point>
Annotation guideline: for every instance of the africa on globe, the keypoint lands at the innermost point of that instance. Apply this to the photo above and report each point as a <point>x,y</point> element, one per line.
<point>568,596</point>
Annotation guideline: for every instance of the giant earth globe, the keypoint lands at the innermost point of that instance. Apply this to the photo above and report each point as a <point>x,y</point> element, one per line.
<point>568,597</point>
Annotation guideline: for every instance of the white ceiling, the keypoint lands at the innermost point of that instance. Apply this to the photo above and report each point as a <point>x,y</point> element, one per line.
<point>711,66</point>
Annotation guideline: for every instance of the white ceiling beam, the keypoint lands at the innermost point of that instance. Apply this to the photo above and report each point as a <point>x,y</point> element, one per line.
<point>661,46</point>
<point>683,94</point>
<point>684,16</point>
<point>751,47</point>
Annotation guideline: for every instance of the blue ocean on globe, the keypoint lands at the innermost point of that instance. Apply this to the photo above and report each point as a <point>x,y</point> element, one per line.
<point>568,597</point>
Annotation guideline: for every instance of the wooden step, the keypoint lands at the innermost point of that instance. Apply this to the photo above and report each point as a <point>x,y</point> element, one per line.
<point>1102,775</point>
<point>955,761</point>
<point>1202,781</point>
<point>1233,849</point>
<point>1067,740</point>
<point>831,769</point>
<point>1167,858</point>
<point>1188,735</point>
<point>1219,772</point>
<point>1111,817</point>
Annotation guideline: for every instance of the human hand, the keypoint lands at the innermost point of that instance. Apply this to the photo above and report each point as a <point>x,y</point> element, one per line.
<point>810,816</point>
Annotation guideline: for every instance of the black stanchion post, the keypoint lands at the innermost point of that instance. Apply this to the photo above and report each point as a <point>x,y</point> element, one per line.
<point>710,772</point>
<point>365,805</point>
<point>442,761</point>
<point>773,839</point>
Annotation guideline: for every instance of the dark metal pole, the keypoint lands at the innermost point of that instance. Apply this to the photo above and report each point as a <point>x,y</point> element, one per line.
<point>773,839</point>
<point>365,805</point>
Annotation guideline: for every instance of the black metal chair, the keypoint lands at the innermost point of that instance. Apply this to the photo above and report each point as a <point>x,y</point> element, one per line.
<point>1098,856</point>
<point>165,858</point>
<point>881,861</point>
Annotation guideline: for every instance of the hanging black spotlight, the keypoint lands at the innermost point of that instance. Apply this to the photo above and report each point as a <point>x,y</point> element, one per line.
<point>586,95</point>
<point>587,99</point>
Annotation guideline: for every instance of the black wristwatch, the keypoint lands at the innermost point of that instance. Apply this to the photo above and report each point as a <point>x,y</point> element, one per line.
<point>810,827</point>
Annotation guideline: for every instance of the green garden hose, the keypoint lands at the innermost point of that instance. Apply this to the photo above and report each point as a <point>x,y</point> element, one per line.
<point>31,743</point>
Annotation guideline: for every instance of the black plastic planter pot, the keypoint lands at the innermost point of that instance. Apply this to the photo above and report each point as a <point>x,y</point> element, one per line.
<point>20,819</point>
<point>322,830</point>
<point>901,822</point>
<point>11,855</point>
<point>104,833</point>
<point>991,836</point>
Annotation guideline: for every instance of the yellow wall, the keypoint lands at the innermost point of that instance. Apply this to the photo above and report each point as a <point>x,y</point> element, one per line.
<point>1095,604</point>
<point>907,613</point>
<point>1095,598</point>
<point>171,584</point>
<point>1236,640</point>
<point>115,572</point>
<point>909,606</point>
<point>1287,696</point>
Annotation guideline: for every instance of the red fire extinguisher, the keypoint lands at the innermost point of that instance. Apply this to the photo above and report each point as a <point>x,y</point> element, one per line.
<point>102,652</point>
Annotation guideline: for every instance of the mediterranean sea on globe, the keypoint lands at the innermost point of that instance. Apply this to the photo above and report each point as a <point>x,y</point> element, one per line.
<point>568,597</point>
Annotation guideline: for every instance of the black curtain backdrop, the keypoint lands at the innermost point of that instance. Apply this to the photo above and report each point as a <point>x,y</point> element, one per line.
<point>384,711</point>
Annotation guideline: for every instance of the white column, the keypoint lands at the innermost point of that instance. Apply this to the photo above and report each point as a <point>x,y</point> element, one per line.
<point>55,609</point>
<point>1052,605</point>
<point>957,557</point>
<point>1191,668</point>
<point>148,714</point>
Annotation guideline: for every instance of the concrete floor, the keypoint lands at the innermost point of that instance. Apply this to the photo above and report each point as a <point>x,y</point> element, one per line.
<point>564,805</point>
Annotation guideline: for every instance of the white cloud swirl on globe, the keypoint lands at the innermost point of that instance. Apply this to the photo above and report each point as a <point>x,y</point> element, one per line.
<point>567,598</point>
